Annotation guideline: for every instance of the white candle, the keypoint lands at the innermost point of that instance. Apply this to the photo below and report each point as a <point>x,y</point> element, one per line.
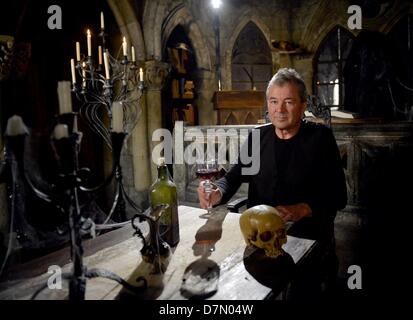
<point>117,117</point>
<point>133,54</point>
<point>102,21</point>
<point>89,43</point>
<point>140,74</point>
<point>77,51</point>
<point>15,126</point>
<point>60,131</point>
<point>65,97</point>
<point>125,47</point>
<point>100,54</point>
<point>84,74</point>
<point>106,60</point>
<point>72,67</point>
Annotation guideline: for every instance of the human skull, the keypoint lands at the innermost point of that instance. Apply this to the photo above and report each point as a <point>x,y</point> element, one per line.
<point>263,228</point>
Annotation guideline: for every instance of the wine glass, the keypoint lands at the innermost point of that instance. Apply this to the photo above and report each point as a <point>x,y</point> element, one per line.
<point>207,171</point>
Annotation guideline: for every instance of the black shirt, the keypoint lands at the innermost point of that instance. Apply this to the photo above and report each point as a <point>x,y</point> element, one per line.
<point>283,152</point>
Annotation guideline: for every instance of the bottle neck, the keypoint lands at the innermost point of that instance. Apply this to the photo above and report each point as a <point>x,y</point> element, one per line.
<point>163,173</point>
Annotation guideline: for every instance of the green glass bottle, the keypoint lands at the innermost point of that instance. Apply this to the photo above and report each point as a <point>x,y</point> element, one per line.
<point>163,191</point>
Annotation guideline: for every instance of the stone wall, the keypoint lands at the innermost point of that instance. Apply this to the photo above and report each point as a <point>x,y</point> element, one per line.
<point>303,23</point>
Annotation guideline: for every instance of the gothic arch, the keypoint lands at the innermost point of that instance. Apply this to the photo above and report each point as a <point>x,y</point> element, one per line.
<point>156,33</point>
<point>323,20</point>
<point>324,31</point>
<point>182,17</point>
<point>395,18</point>
<point>327,35</point>
<point>129,25</point>
<point>246,18</point>
<point>153,13</point>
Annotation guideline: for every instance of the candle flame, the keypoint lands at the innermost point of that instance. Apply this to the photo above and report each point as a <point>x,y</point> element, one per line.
<point>88,32</point>
<point>124,39</point>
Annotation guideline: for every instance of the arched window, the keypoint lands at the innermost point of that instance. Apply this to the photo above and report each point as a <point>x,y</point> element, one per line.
<point>329,63</point>
<point>251,60</point>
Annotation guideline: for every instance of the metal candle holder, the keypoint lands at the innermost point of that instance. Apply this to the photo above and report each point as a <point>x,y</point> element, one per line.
<point>65,196</point>
<point>96,92</point>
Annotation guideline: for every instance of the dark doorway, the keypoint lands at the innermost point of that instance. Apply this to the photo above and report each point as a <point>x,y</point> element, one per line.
<point>179,94</point>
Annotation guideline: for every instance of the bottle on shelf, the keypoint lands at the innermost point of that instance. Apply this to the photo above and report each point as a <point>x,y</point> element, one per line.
<point>163,191</point>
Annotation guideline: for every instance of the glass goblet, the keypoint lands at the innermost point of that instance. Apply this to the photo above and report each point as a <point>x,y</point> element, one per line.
<point>207,172</point>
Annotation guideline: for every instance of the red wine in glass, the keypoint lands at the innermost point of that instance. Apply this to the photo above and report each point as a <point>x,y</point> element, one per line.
<point>207,174</point>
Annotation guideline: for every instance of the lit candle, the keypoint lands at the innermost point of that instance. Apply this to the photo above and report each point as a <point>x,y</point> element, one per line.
<point>61,131</point>
<point>106,60</point>
<point>100,54</point>
<point>72,66</point>
<point>84,74</point>
<point>102,21</point>
<point>125,47</point>
<point>65,97</point>
<point>133,53</point>
<point>15,126</point>
<point>89,43</point>
<point>77,51</point>
<point>140,74</point>
<point>117,117</point>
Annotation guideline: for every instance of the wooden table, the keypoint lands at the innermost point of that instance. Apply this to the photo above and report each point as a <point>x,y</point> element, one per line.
<point>211,258</point>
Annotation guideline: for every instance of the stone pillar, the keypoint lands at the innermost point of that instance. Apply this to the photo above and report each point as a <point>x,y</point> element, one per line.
<point>205,92</point>
<point>156,72</point>
<point>304,65</point>
<point>284,60</point>
<point>140,153</point>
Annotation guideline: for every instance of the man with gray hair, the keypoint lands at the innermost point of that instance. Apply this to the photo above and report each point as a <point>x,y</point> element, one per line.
<point>300,166</point>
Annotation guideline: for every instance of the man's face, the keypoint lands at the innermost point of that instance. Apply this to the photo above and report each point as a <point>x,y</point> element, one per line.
<point>285,107</point>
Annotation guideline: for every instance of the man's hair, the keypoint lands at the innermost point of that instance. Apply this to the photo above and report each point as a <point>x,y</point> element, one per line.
<point>286,75</point>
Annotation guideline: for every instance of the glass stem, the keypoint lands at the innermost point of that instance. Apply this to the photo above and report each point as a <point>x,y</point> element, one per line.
<point>208,189</point>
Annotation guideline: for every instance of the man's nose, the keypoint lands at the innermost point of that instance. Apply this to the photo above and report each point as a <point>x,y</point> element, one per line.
<point>281,107</point>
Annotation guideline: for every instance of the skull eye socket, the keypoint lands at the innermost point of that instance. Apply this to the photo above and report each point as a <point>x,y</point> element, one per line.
<point>265,236</point>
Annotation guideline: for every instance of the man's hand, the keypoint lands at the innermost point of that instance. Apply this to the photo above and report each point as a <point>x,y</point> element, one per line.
<point>212,199</point>
<point>294,212</point>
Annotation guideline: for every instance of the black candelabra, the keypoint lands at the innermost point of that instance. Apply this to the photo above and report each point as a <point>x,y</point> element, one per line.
<point>113,94</point>
<point>64,195</point>
<point>110,99</point>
